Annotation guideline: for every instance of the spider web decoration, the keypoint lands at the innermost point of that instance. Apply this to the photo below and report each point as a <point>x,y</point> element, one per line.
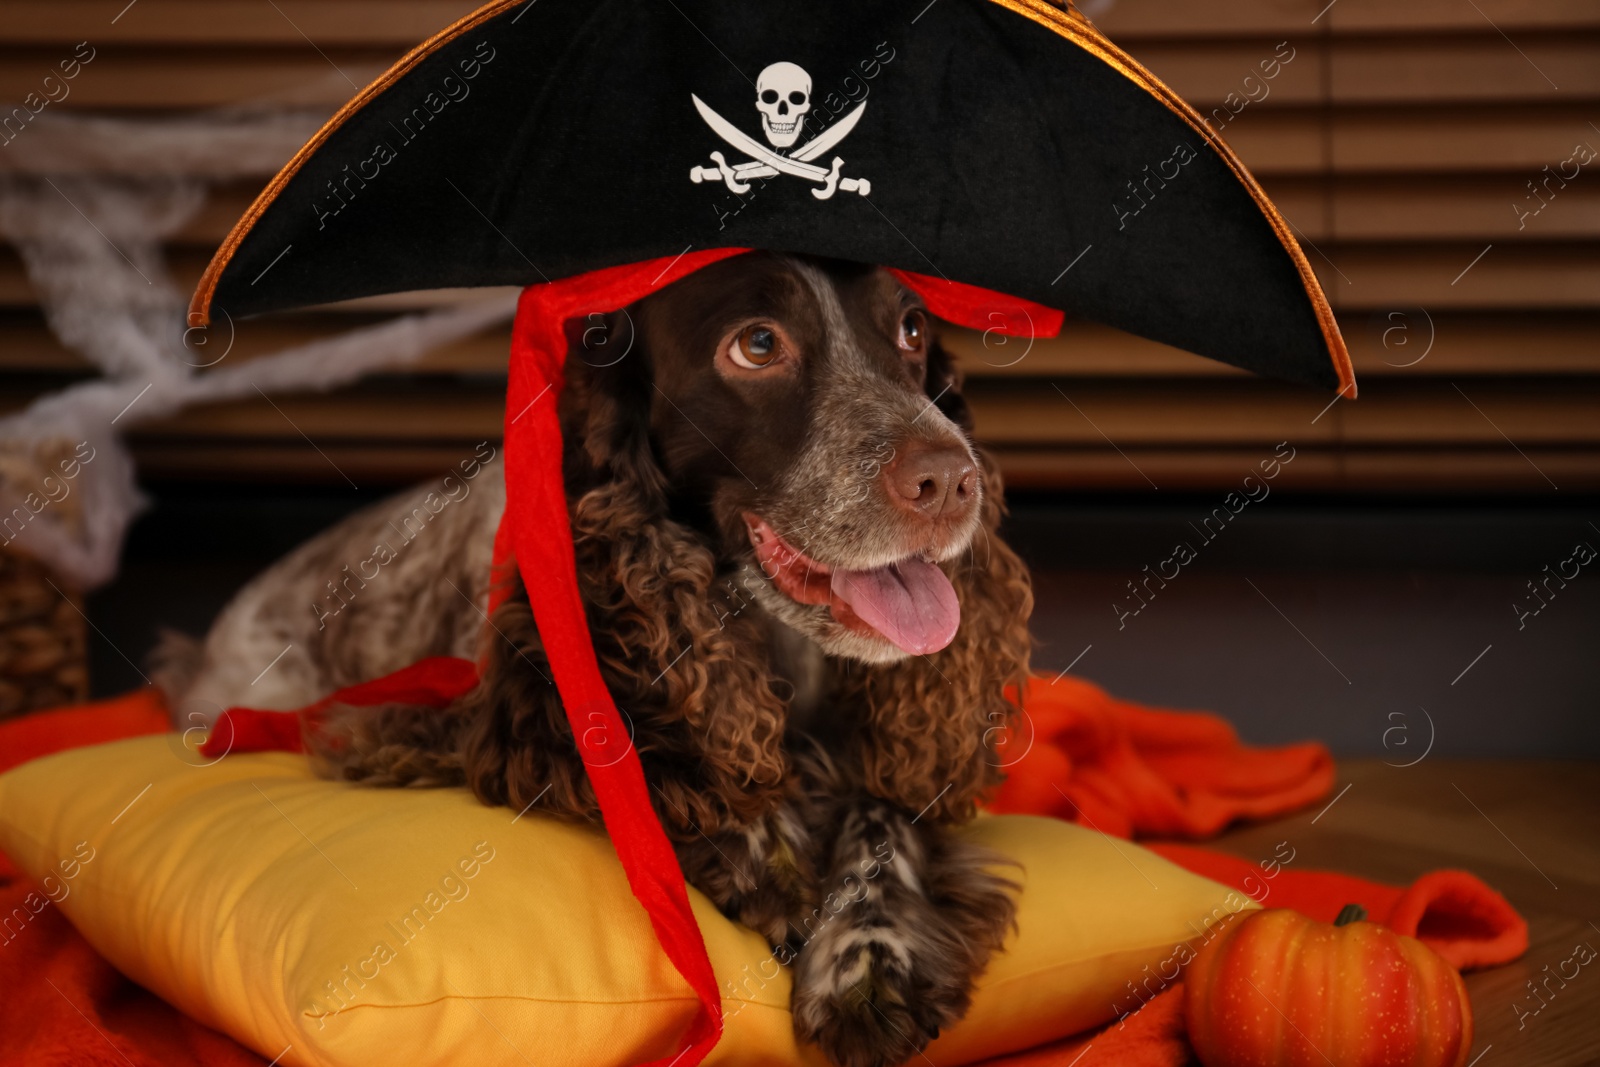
<point>87,202</point>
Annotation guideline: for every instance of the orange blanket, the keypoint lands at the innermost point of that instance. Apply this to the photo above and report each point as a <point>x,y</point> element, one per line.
<point>1123,769</point>
<point>1077,754</point>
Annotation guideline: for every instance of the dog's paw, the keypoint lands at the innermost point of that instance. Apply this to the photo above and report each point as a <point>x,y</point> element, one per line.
<point>883,978</point>
<point>872,1005</point>
<point>892,960</point>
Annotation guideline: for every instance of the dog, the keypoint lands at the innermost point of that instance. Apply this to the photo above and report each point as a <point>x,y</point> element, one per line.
<point>787,547</point>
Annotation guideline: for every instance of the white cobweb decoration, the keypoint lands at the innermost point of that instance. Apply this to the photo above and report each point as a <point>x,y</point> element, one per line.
<point>87,202</point>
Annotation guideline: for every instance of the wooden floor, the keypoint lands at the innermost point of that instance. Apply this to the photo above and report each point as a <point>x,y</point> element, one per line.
<point>1531,829</point>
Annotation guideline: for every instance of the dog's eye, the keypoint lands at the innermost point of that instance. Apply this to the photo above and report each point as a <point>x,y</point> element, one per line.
<point>913,332</point>
<point>754,347</point>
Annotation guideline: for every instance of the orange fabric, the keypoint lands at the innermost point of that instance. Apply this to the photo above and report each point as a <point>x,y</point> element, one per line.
<point>1452,912</point>
<point>1128,769</point>
<point>134,714</point>
<point>1080,754</point>
<point>50,975</point>
<point>26,738</point>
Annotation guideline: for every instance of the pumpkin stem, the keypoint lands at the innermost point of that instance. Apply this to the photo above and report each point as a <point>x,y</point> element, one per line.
<point>1350,913</point>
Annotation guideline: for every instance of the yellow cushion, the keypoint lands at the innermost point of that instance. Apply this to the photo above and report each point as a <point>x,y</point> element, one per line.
<point>351,925</point>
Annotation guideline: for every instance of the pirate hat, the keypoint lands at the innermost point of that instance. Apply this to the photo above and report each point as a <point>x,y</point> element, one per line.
<point>1004,159</point>
<point>1002,143</point>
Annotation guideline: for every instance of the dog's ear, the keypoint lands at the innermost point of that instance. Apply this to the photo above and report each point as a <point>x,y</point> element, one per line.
<point>605,410</point>
<point>944,384</point>
<point>651,582</point>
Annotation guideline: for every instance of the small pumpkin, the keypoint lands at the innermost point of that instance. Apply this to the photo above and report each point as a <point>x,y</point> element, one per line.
<point>1276,989</point>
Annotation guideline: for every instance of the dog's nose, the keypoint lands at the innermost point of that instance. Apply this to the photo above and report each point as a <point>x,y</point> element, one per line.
<point>933,482</point>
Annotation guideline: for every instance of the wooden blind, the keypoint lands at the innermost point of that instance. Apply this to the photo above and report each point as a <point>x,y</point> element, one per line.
<point>1400,141</point>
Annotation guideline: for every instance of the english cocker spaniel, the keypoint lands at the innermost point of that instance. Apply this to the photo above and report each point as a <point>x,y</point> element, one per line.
<point>786,543</point>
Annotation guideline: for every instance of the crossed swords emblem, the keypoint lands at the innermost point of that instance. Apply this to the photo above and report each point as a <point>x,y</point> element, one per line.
<point>765,163</point>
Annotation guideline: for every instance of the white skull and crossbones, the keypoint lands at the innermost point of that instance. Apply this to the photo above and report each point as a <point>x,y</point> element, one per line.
<point>783,96</point>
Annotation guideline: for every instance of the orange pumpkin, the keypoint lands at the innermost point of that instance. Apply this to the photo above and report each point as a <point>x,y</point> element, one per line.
<point>1276,989</point>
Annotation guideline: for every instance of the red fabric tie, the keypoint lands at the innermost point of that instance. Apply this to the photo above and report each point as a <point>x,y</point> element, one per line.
<point>434,682</point>
<point>541,540</point>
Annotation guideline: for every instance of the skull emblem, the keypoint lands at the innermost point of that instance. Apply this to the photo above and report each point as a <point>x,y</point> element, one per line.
<point>783,96</point>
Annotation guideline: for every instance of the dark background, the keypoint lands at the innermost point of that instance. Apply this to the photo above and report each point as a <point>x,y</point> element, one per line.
<point>1400,597</point>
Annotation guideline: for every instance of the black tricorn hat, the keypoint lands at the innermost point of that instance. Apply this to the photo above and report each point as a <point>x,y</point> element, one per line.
<point>1004,144</point>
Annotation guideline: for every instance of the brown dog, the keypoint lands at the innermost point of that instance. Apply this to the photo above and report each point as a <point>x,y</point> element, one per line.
<point>786,543</point>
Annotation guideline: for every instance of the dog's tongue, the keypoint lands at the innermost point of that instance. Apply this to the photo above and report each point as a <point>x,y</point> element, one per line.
<point>911,603</point>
